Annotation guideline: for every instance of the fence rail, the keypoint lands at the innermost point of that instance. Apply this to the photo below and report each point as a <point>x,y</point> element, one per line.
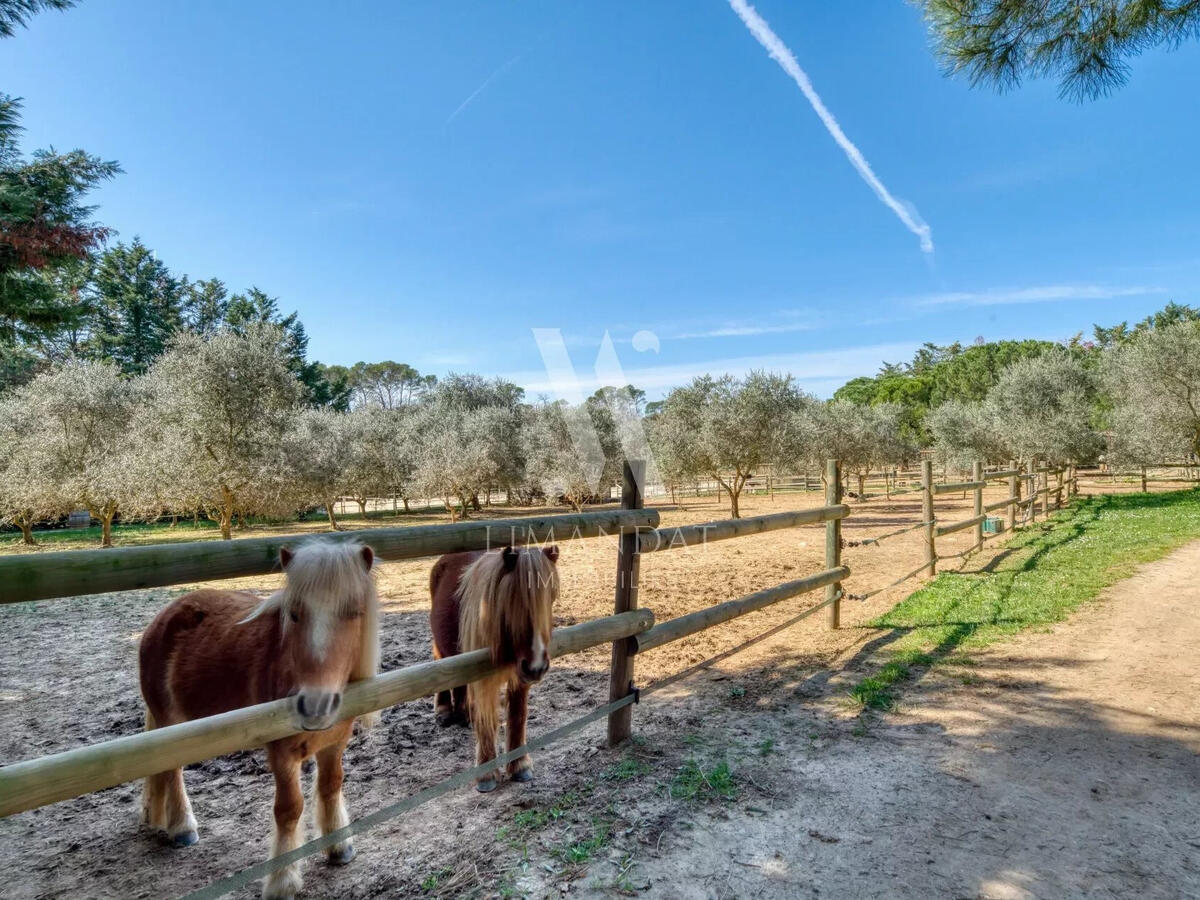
<point>69,573</point>
<point>48,779</point>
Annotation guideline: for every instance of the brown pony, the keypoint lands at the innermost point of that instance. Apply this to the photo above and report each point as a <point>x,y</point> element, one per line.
<point>500,600</point>
<point>211,651</point>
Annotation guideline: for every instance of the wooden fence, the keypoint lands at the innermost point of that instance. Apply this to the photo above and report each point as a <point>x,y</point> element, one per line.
<point>1026,489</point>
<point>40,781</point>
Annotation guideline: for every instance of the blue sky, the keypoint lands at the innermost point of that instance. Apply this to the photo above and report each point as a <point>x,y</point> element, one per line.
<point>429,182</point>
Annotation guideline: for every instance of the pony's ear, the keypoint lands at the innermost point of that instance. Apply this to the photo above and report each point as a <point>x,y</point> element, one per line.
<point>368,557</point>
<point>285,557</point>
<point>551,552</point>
<point>509,558</point>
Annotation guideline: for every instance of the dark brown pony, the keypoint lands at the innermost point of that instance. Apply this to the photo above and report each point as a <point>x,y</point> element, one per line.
<point>500,600</point>
<point>211,651</point>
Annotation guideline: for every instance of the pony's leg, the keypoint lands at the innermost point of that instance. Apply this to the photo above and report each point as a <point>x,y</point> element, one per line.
<point>154,791</point>
<point>483,698</point>
<point>331,805</point>
<point>443,705</point>
<point>154,801</point>
<point>520,769</point>
<point>181,824</point>
<point>462,711</point>
<point>289,805</point>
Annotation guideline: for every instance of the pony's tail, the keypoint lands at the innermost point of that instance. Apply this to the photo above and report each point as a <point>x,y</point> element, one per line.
<point>368,660</point>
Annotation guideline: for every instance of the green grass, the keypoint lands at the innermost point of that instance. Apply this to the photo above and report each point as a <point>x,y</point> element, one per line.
<point>695,782</point>
<point>1044,573</point>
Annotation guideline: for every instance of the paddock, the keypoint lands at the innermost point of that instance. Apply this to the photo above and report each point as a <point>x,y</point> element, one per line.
<point>92,845</point>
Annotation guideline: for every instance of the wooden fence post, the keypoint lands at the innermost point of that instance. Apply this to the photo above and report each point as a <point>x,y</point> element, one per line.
<point>1014,493</point>
<point>1143,479</point>
<point>1058,488</point>
<point>927,514</point>
<point>1032,478</point>
<point>620,722</point>
<point>977,475</point>
<point>833,541</point>
<point>1045,488</point>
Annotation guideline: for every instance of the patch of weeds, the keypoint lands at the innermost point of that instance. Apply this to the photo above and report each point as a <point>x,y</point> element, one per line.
<point>693,740</point>
<point>765,747</point>
<point>531,819</point>
<point>694,782</point>
<point>431,881</point>
<point>626,770</point>
<point>737,692</point>
<point>580,852</point>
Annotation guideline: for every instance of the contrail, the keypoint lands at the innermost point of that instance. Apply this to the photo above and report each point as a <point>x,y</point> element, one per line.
<point>479,90</point>
<point>782,55</point>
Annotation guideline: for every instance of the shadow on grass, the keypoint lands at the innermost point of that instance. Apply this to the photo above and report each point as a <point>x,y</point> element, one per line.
<point>1045,572</point>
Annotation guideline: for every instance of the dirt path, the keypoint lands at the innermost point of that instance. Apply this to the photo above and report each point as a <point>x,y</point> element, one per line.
<point>1063,764</point>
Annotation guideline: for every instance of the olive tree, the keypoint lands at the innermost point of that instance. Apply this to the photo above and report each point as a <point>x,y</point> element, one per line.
<point>318,446</point>
<point>28,490</point>
<point>1042,407</point>
<point>455,459</point>
<point>379,457</point>
<point>218,413</point>
<point>963,433</point>
<point>727,428</point>
<point>571,451</point>
<point>1153,382</point>
<point>79,421</point>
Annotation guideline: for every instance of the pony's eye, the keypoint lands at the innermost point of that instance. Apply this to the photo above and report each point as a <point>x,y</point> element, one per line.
<point>295,617</point>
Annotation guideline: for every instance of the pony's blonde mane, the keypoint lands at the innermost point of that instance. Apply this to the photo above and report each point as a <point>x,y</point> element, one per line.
<point>331,579</point>
<point>486,589</point>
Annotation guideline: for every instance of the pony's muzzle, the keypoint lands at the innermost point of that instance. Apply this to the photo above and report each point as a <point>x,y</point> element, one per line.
<point>316,709</point>
<point>531,673</point>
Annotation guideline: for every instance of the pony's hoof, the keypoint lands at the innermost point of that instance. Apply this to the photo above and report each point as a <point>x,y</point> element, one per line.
<point>524,776</point>
<point>185,839</point>
<point>485,785</point>
<point>341,855</point>
<point>445,720</point>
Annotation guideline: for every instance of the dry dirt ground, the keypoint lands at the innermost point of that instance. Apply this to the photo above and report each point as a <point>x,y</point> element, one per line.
<point>1018,782</point>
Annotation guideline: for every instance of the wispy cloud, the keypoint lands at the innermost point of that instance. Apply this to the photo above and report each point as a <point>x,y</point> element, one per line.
<point>746,330</point>
<point>479,90</point>
<point>787,61</point>
<point>1051,293</point>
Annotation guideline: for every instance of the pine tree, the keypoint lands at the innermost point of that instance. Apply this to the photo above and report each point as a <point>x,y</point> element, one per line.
<point>139,307</point>
<point>1085,44</point>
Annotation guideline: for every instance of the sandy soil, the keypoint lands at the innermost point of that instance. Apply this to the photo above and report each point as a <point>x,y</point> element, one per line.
<point>68,677</point>
<point>1063,764</point>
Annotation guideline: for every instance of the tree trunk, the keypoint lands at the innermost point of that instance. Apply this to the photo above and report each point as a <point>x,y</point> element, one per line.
<point>27,532</point>
<point>333,524</point>
<point>862,481</point>
<point>226,514</point>
<point>451,509</point>
<point>734,493</point>
<point>106,527</point>
<point>474,503</point>
<point>405,499</point>
<point>362,507</point>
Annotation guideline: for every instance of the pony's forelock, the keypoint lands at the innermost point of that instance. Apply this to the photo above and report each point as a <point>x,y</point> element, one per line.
<point>331,580</point>
<point>486,587</point>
